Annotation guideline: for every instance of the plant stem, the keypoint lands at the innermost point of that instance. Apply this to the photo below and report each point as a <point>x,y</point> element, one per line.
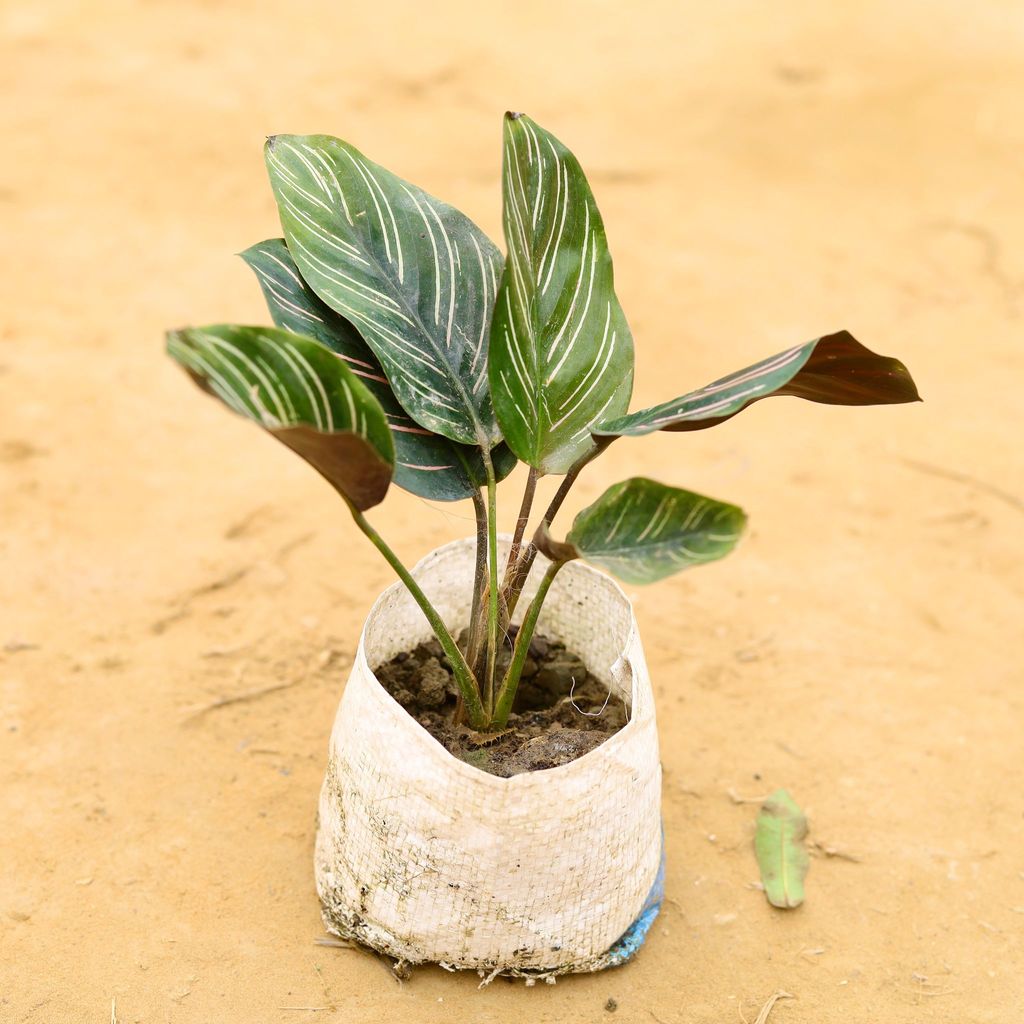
<point>516,580</point>
<point>521,522</point>
<point>467,684</point>
<point>509,685</point>
<point>492,603</point>
<point>475,642</point>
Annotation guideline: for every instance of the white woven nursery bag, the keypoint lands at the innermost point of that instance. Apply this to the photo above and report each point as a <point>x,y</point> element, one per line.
<point>428,859</point>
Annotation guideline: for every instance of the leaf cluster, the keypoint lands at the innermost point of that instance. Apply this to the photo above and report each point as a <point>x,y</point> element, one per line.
<point>407,349</point>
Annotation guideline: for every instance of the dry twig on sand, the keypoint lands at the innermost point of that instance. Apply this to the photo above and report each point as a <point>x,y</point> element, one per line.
<point>762,1017</point>
<point>737,799</point>
<point>965,478</point>
<point>184,603</point>
<point>236,698</point>
<point>833,851</point>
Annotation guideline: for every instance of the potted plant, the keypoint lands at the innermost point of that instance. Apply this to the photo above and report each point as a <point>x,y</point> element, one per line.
<point>492,798</point>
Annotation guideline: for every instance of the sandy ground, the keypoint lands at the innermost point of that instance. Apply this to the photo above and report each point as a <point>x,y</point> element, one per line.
<point>768,172</point>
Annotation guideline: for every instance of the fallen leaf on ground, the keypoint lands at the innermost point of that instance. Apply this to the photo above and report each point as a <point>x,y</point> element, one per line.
<point>780,851</point>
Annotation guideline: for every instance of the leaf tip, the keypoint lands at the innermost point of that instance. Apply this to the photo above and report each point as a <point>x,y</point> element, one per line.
<point>513,115</point>
<point>175,336</point>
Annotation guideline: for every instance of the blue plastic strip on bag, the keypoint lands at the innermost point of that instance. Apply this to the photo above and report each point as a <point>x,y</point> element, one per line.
<point>626,947</point>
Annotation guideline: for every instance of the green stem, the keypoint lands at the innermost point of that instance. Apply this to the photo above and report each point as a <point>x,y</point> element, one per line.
<point>492,603</point>
<point>509,685</point>
<point>475,642</point>
<point>464,678</point>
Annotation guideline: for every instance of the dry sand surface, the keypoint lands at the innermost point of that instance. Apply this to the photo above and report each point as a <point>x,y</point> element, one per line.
<point>767,172</point>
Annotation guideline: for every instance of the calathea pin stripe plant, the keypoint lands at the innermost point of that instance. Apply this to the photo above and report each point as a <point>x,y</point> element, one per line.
<point>407,350</point>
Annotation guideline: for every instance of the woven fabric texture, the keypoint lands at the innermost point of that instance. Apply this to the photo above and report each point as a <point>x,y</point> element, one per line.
<point>428,859</point>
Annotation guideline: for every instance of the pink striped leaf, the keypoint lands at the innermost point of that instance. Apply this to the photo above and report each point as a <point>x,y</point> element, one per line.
<point>299,392</point>
<point>642,531</point>
<point>833,370</point>
<point>426,464</point>
<point>561,352</point>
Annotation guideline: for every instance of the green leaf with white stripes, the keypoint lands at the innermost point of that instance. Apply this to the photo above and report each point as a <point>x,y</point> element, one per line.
<point>561,353</point>
<point>643,531</point>
<point>302,393</point>
<point>833,370</point>
<point>426,463</point>
<point>416,277</point>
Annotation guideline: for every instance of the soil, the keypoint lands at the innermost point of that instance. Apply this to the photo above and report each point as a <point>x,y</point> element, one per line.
<point>180,599</point>
<point>561,711</point>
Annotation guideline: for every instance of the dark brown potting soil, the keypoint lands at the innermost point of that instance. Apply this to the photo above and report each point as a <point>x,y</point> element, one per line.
<point>561,711</point>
